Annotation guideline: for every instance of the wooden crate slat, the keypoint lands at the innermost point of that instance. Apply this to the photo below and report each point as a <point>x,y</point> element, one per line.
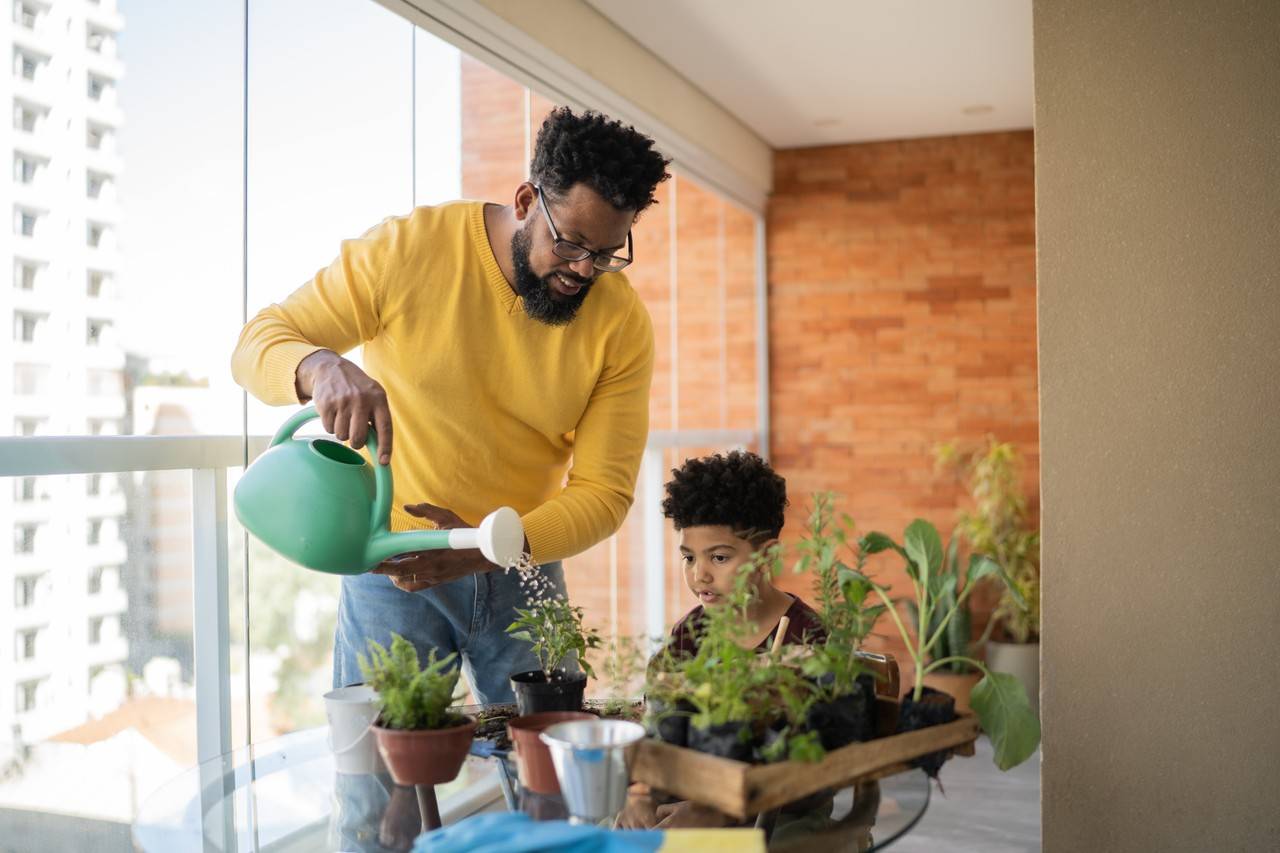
<point>706,779</point>
<point>741,789</point>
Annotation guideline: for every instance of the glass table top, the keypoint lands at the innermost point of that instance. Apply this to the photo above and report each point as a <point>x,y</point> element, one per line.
<point>286,795</point>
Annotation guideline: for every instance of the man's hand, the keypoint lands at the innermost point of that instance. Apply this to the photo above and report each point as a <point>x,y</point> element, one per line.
<point>347,400</point>
<point>425,569</point>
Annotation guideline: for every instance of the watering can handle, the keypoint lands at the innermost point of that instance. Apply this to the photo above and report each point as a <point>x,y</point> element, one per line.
<point>381,513</point>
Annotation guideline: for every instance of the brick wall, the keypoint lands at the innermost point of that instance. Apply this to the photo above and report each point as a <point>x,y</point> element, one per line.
<point>902,314</point>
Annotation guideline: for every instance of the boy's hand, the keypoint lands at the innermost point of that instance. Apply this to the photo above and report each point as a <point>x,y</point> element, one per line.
<point>687,815</point>
<point>639,811</point>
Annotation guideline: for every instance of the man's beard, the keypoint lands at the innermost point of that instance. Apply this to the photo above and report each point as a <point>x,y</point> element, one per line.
<point>540,302</point>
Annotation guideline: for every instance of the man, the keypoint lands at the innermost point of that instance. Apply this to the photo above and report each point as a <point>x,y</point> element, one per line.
<point>499,341</point>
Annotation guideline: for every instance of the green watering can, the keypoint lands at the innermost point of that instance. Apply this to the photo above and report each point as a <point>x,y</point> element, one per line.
<point>320,504</point>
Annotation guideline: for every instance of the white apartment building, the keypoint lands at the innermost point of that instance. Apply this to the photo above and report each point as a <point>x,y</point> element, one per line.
<point>61,596</point>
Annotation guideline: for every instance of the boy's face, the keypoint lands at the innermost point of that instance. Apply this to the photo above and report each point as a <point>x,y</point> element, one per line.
<point>710,557</point>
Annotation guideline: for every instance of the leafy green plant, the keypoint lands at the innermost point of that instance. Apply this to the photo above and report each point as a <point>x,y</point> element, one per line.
<point>998,526</point>
<point>999,700</point>
<point>846,613</point>
<point>554,629</point>
<point>726,680</point>
<point>953,645</point>
<point>413,697</point>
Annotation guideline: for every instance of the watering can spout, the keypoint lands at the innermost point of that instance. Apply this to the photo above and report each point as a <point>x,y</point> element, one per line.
<point>320,504</point>
<point>500,538</point>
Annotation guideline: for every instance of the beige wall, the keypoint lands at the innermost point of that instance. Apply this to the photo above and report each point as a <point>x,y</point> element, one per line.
<point>1158,218</point>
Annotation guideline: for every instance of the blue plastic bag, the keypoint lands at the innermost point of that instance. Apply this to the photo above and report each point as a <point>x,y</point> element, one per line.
<point>516,832</point>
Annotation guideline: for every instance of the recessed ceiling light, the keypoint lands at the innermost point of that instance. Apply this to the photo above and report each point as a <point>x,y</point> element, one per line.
<point>826,122</point>
<point>978,109</point>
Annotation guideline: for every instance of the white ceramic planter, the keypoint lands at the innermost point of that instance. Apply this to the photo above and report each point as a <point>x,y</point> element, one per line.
<point>1021,660</point>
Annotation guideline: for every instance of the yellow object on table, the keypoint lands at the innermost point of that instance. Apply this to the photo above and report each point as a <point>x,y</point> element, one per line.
<point>747,840</point>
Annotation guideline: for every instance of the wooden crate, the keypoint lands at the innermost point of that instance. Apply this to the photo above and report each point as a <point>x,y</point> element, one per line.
<point>742,790</point>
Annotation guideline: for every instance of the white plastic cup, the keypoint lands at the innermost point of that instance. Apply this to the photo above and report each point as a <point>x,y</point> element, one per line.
<point>351,712</point>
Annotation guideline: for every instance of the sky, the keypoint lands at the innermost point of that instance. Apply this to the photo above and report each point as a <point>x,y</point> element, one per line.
<point>331,95</point>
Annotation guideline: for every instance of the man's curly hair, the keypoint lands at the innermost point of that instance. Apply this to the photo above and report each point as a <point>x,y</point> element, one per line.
<point>614,159</point>
<point>737,489</point>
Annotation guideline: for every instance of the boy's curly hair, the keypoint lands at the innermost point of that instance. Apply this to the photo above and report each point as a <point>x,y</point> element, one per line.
<point>737,489</point>
<point>614,159</point>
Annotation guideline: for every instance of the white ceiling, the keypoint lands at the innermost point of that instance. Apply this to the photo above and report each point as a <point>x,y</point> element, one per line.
<point>822,72</point>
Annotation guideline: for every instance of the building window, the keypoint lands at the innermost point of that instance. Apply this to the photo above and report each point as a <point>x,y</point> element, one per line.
<point>96,280</point>
<point>25,65</point>
<point>25,14</point>
<point>24,118</point>
<point>24,592</point>
<point>97,87</point>
<point>25,645</point>
<point>94,485</point>
<point>25,326</point>
<point>24,169</point>
<point>27,696</point>
<point>30,379</point>
<point>95,630</point>
<point>24,275</point>
<point>94,183</point>
<point>94,234</point>
<point>95,580</point>
<point>24,538</point>
<point>95,136</point>
<point>24,489</point>
<point>95,531</point>
<point>95,39</point>
<point>94,330</point>
<point>25,222</point>
<point>105,383</point>
<point>26,426</point>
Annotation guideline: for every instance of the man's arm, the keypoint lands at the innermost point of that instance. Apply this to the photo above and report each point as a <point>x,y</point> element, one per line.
<point>289,352</point>
<point>608,446</point>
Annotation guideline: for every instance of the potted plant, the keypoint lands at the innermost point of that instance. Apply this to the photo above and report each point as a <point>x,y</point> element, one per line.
<point>998,699</point>
<point>420,739</point>
<point>554,629</point>
<point>956,676</point>
<point>741,704</point>
<point>844,707</point>
<point>998,526</point>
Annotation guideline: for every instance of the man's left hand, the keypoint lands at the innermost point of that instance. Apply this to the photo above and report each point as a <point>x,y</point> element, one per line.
<point>425,569</point>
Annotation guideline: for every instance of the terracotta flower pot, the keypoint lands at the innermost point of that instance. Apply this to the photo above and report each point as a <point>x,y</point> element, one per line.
<point>956,685</point>
<point>533,759</point>
<point>424,756</point>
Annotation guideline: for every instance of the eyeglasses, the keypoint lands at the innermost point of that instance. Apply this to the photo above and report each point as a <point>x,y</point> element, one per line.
<point>602,261</point>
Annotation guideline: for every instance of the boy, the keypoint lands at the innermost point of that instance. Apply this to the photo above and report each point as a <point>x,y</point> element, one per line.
<point>725,508</point>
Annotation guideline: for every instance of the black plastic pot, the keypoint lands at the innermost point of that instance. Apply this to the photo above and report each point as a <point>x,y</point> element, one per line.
<point>667,722</point>
<point>534,693</point>
<point>846,719</point>
<point>933,709</point>
<point>727,740</point>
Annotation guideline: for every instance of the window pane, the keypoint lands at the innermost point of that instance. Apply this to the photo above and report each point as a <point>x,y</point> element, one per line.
<point>311,190</point>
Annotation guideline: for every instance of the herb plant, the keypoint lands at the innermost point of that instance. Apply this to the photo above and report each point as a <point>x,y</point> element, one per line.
<point>554,629</point>
<point>413,697</point>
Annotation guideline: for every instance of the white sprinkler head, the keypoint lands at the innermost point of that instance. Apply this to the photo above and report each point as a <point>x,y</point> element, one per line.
<point>502,537</point>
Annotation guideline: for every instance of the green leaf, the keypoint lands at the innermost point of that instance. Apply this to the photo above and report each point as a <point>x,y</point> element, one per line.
<point>854,586</point>
<point>923,546</point>
<point>522,635</point>
<point>981,566</point>
<point>1001,704</point>
<point>875,542</point>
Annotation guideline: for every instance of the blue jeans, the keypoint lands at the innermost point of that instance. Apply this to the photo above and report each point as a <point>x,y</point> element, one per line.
<point>468,616</point>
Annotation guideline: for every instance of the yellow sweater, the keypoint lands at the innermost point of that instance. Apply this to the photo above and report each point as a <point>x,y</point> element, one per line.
<point>487,404</point>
